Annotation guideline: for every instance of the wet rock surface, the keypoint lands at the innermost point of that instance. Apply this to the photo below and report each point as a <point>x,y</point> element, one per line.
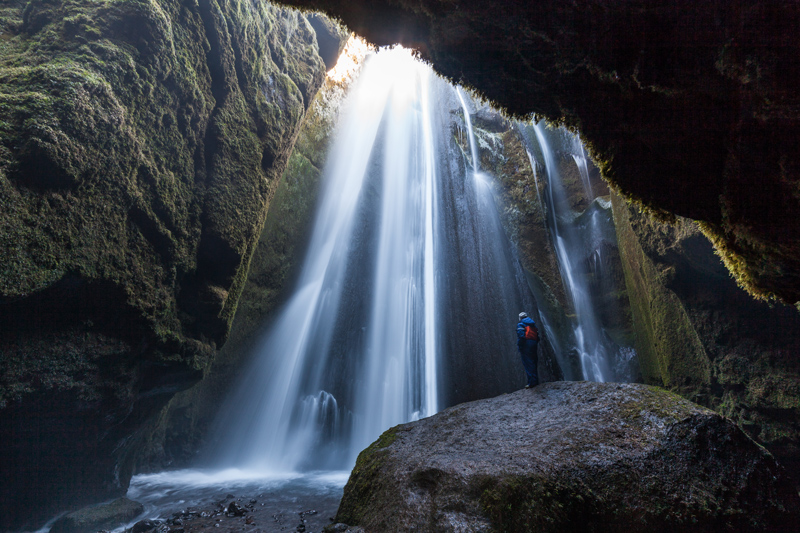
<point>249,513</point>
<point>105,516</point>
<point>570,456</point>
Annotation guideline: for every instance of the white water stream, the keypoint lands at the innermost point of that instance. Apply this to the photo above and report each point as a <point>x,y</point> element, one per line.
<point>588,333</point>
<point>286,416</point>
<point>402,246</point>
<point>406,302</point>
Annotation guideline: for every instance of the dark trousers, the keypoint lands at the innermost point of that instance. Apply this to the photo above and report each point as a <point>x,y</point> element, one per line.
<point>529,354</point>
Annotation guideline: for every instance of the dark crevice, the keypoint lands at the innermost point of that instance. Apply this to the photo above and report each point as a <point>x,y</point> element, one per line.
<point>327,42</point>
<point>241,79</point>
<point>73,301</point>
<point>153,233</point>
<point>219,87</point>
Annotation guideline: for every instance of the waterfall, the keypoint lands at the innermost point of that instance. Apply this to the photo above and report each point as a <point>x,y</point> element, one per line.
<point>408,295</point>
<point>579,156</point>
<point>269,421</point>
<point>578,240</point>
<point>400,373</point>
<point>567,244</point>
<point>473,150</point>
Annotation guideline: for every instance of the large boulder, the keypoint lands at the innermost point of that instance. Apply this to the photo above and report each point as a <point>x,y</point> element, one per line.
<point>570,456</point>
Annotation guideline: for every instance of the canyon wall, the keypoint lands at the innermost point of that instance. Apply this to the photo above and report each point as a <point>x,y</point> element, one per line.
<point>140,145</point>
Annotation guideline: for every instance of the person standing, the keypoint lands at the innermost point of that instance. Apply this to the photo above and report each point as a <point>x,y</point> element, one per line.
<point>527,344</point>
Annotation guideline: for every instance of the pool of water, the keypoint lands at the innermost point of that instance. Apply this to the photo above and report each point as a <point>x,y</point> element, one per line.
<point>274,501</point>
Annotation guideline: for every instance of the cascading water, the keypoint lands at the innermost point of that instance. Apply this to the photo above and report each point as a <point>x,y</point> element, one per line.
<point>473,150</point>
<point>577,240</point>
<point>579,156</point>
<point>277,425</point>
<point>408,277</point>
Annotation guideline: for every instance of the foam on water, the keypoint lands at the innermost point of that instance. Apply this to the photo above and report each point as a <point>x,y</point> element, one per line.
<point>166,493</point>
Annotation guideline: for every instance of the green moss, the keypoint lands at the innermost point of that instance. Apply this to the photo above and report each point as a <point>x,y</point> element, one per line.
<point>386,439</point>
<point>669,350</point>
<point>366,484</point>
<point>537,503</point>
<point>745,273</point>
<point>664,405</point>
<point>137,138</point>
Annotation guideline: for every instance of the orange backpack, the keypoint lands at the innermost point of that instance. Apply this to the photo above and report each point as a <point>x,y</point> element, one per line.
<point>531,333</point>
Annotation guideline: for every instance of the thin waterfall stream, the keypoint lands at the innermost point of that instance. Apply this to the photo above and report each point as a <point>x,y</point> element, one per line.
<point>578,239</point>
<point>405,303</point>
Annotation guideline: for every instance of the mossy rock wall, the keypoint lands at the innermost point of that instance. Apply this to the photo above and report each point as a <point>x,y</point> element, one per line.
<point>700,335</point>
<point>182,430</point>
<point>141,142</point>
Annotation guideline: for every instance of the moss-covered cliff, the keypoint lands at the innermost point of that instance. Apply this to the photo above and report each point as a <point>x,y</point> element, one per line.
<point>688,107</point>
<point>140,145</point>
<point>700,335</point>
<point>182,428</point>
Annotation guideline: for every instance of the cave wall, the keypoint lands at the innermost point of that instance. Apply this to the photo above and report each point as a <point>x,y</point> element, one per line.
<point>142,140</point>
<point>702,336</point>
<point>140,145</point>
<point>688,108</point>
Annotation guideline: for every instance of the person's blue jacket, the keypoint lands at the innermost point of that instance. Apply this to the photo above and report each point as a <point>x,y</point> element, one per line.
<point>521,340</point>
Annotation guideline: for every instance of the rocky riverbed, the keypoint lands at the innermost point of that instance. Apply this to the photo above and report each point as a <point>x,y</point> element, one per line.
<point>250,513</point>
<point>193,500</point>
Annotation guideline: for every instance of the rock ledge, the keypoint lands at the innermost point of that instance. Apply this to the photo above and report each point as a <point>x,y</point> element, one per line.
<point>570,456</point>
